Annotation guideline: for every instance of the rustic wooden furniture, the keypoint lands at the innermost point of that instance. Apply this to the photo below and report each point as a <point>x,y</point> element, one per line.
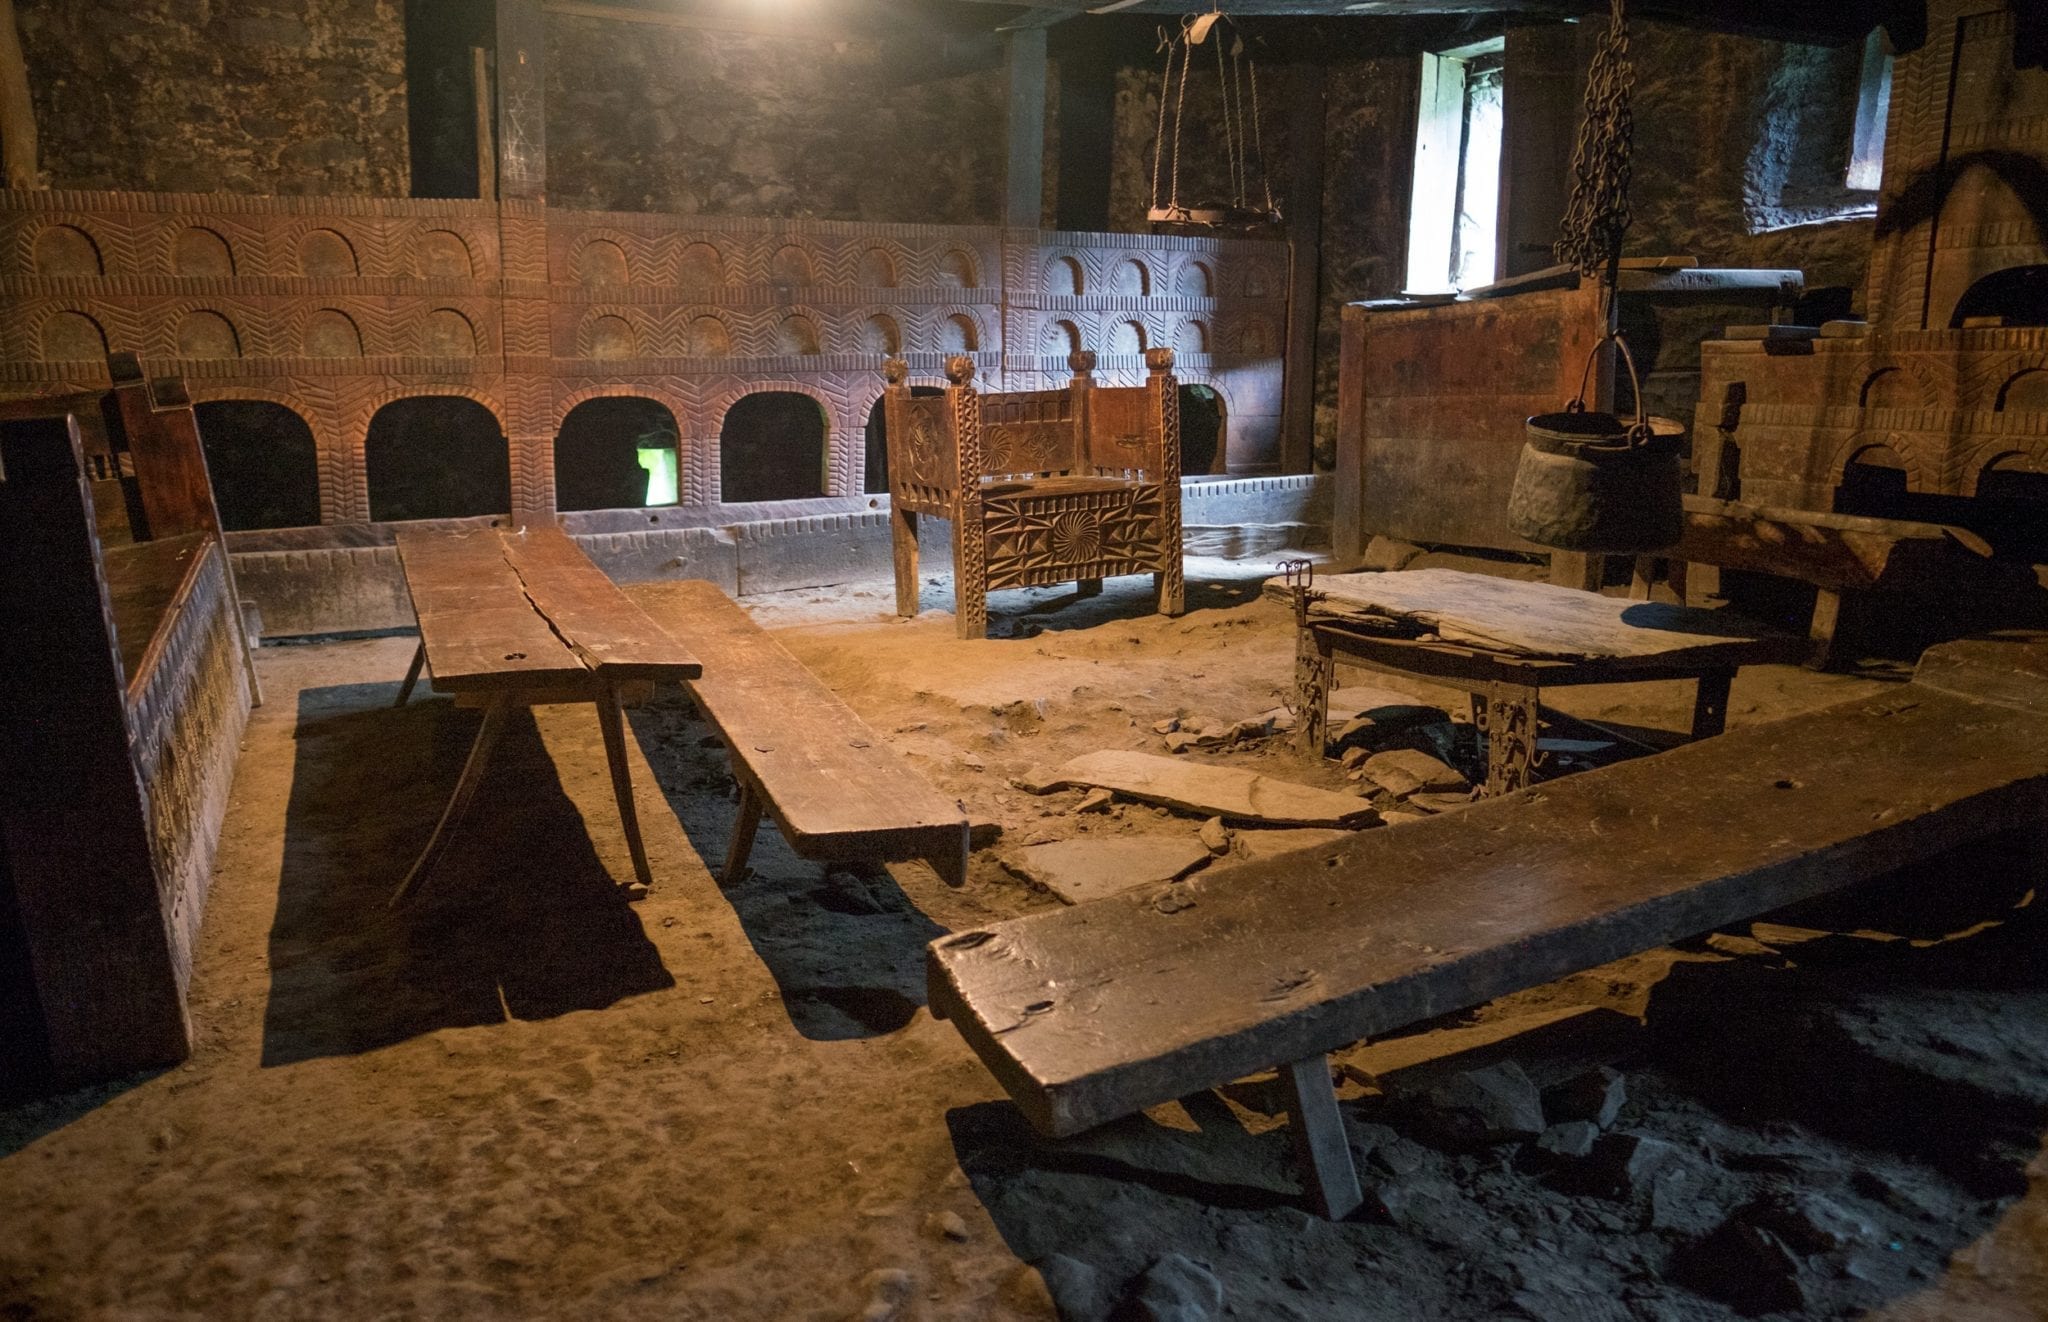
<point>515,617</point>
<point>129,684</point>
<point>802,756</point>
<point>1040,486</point>
<point>1094,1012</point>
<point>1506,641</point>
<point>1433,393</point>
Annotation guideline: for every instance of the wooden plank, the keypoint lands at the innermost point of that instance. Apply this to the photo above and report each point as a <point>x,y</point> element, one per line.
<point>831,783</point>
<point>1213,791</point>
<point>17,109</point>
<point>1836,552</point>
<point>600,624</point>
<point>1542,620</point>
<point>1024,171</point>
<point>1302,212</point>
<point>475,622</point>
<point>1090,1013</point>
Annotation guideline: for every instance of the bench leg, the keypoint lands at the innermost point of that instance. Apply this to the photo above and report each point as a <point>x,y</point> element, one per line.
<point>742,836</point>
<point>465,789</point>
<point>1710,704</point>
<point>612,721</point>
<point>903,548</point>
<point>951,864</point>
<point>1319,1143</point>
<point>1509,717</point>
<point>1315,670</point>
<point>412,674</point>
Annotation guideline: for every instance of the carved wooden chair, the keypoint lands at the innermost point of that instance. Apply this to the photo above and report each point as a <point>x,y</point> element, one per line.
<point>1041,486</point>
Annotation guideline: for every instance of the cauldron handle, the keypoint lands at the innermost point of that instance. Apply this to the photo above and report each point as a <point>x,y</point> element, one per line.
<point>1639,434</point>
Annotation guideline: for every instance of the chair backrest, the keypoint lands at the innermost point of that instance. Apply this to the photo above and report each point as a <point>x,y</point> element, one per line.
<point>1084,428</point>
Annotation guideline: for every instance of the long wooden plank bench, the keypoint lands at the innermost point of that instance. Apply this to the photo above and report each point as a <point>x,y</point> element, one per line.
<point>1093,1012</point>
<point>511,618</point>
<point>833,786</point>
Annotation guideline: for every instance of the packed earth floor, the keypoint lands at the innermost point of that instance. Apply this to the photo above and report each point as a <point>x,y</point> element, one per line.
<point>525,1097</point>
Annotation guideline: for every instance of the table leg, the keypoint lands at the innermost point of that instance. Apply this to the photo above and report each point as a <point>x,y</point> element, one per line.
<point>412,674</point>
<point>1509,716</point>
<point>742,835</point>
<point>613,723</point>
<point>1315,670</point>
<point>1710,704</point>
<point>465,789</point>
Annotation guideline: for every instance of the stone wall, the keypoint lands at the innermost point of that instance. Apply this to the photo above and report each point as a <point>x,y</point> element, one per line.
<point>240,96</point>
<point>688,121</point>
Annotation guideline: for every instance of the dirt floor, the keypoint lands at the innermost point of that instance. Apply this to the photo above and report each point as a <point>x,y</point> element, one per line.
<point>525,1097</point>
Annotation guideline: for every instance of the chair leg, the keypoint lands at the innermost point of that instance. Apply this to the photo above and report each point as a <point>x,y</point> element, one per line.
<point>1169,590</point>
<point>501,705</point>
<point>903,548</point>
<point>970,577</point>
<point>742,836</point>
<point>612,721</point>
<point>1088,587</point>
<point>412,674</point>
<point>1319,1143</point>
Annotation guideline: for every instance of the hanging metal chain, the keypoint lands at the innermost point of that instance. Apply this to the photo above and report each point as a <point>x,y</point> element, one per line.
<point>1597,217</point>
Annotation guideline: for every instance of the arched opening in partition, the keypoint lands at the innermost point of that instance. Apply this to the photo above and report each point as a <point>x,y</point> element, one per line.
<point>436,457</point>
<point>264,465</point>
<point>875,476</point>
<point>1201,430</point>
<point>616,453</point>
<point>772,447</point>
<point>2016,296</point>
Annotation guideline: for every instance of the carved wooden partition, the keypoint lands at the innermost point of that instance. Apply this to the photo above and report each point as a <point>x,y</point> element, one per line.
<point>127,689</point>
<point>1040,486</point>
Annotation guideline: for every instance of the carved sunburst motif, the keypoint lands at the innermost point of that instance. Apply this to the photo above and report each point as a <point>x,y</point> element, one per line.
<point>923,439</point>
<point>1076,538</point>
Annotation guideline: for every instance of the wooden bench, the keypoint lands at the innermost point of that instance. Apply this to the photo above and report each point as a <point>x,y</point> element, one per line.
<point>510,618</point>
<point>1094,1012</point>
<point>1041,486</point>
<point>833,786</point>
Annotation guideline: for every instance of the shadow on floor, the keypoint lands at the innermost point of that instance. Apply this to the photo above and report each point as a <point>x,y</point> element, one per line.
<point>518,920</point>
<point>1026,612</point>
<point>844,944</point>
<point>1829,1122</point>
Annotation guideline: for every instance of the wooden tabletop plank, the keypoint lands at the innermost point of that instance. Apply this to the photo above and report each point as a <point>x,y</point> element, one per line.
<point>1540,620</point>
<point>828,778</point>
<point>527,609</point>
<point>602,624</point>
<point>1089,1013</point>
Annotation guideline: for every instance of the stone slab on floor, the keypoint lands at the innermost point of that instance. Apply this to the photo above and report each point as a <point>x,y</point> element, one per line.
<point>1224,792</point>
<point>1078,871</point>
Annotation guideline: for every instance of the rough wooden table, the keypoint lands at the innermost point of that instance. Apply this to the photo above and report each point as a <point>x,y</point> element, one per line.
<point>1505,641</point>
<point>518,617</point>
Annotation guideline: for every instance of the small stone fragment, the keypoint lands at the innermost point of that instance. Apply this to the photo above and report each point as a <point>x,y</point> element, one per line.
<point>1748,1268</point>
<point>1596,1095</point>
<point>1038,780</point>
<point>1077,1289</point>
<point>1394,817</point>
<point>1433,802</point>
<point>1177,1289</point>
<point>1480,1108</point>
<point>1354,758</point>
<point>1622,1165</point>
<point>1215,835</point>
<point>1403,771</point>
<point>949,1225</point>
<point>1166,726</point>
<point>1568,1141</point>
<point>888,1289</point>
<point>1180,741</point>
<point>1095,800</point>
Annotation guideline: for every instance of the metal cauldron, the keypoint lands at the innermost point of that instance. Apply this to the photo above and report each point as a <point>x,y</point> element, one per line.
<point>1597,482</point>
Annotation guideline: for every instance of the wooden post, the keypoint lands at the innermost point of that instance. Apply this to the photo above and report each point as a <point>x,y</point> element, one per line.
<point>1347,507</point>
<point>1087,135</point>
<point>1320,1145</point>
<point>17,111</point>
<point>1025,172</point>
<point>486,146</point>
<point>522,96</point>
<point>1303,212</point>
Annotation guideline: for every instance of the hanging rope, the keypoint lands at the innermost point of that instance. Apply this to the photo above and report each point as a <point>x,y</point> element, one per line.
<point>1239,140</point>
<point>1259,142</point>
<point>1597,217</point>
<point>1159,138</point>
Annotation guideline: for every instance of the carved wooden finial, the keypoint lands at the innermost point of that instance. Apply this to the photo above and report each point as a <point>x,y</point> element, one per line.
<point>1159,360</point>
<point>895,371</point>
<point>1081,361</point>
<point>959,369</point>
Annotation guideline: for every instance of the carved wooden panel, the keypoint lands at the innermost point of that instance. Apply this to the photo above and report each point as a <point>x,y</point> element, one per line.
<point>1041,538</point>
